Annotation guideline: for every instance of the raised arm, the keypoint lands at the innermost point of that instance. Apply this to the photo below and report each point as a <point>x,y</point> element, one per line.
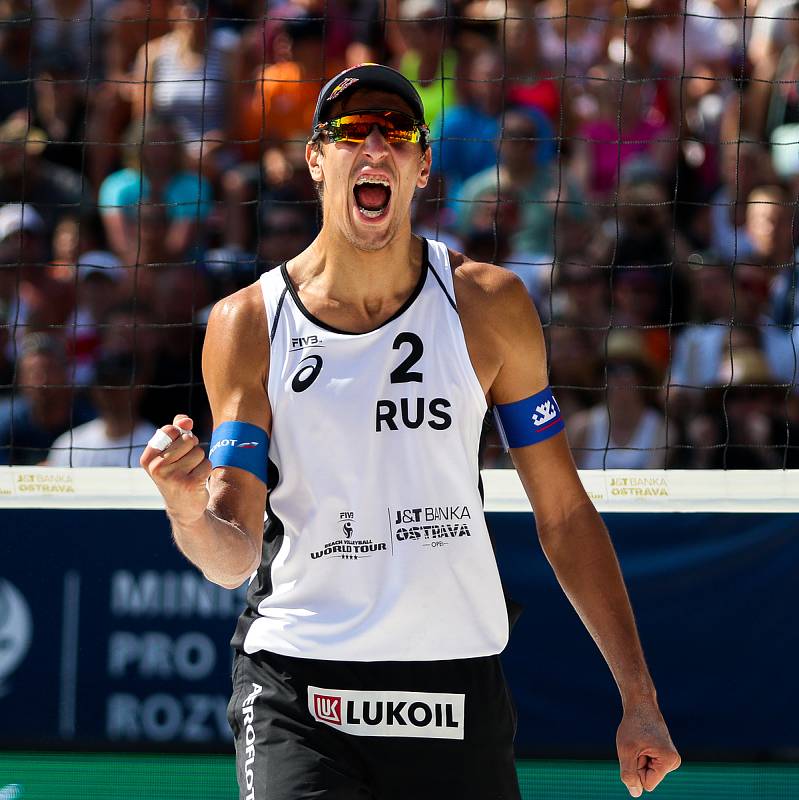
<point>218,523</point>
<point>576,542</point>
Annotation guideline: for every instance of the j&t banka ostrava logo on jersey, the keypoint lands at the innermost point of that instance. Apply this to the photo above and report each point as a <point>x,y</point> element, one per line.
<point>424,715</point>
<point>348,547</point>
<point>433,526</point>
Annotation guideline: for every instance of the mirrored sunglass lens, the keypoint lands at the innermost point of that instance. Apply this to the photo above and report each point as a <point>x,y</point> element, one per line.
<point>356,127</point>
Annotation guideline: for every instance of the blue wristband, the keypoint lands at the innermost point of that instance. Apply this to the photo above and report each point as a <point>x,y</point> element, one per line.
<point>531,420</point>
<point>242,445</point>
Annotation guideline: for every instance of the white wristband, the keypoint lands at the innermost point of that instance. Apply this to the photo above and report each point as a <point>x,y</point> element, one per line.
<point>160,440</point>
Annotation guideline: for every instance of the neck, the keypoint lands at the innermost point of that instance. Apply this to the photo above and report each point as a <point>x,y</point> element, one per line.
<point>353,288</point>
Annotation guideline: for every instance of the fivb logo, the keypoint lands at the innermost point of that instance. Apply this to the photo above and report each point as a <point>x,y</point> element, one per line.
<point>403,714</point>
<point>16,631</point>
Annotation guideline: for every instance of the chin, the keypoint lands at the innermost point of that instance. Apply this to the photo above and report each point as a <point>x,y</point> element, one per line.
<point>370,234</point>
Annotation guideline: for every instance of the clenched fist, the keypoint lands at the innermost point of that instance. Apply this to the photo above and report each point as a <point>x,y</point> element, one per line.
<point>180,470</point>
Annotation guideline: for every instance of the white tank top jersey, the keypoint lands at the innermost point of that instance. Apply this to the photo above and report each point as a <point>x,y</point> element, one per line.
<point>375,546</point>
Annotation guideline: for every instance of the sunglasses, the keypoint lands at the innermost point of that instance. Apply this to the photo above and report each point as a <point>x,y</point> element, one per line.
<point>394,126</point>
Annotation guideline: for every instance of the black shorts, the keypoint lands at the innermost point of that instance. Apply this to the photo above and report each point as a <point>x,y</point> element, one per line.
<point>332,730</point>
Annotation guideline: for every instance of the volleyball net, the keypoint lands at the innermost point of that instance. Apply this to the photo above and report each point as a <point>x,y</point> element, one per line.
<point>635,163</point>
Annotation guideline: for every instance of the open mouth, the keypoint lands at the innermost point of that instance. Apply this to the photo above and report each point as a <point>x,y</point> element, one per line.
<point>372,195</point>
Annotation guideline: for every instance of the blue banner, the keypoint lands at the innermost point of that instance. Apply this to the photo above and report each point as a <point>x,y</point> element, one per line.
<point>109,637</point>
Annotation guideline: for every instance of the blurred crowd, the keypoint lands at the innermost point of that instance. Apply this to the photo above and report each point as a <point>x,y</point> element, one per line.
<point>635,162</point>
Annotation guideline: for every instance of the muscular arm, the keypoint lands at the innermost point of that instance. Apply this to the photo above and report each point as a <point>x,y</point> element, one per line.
<point>572,534</point>
<point>219,527</point>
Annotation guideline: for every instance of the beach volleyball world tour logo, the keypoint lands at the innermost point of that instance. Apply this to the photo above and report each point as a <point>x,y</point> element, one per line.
<point>16,631</point>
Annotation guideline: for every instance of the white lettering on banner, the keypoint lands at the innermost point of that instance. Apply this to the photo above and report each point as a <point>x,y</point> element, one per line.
<point>165,717</point>
<point>172,594</point>
<point>404,714</point>
<point>191,656</point>
<point>16,631</point>
<point>248,712</point>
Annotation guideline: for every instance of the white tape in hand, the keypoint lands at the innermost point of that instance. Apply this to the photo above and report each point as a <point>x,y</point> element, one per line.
<point>160,440</point>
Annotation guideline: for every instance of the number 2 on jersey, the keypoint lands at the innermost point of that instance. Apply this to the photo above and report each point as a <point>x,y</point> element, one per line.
<point>403,373</point>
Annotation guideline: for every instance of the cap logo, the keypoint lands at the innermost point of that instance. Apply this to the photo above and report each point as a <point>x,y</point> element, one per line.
<point>341,87</point>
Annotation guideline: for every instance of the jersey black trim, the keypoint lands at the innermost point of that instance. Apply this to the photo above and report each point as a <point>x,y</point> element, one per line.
<point>261,586</point>
<point>426,265</point>
<point>277,316</point>
<point>444,288</point>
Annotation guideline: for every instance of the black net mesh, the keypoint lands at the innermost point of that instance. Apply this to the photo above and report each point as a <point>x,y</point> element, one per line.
<point>635,163</point>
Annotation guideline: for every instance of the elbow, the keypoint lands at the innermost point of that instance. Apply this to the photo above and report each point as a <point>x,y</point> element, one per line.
<point>232,580</point>
<point>228,581</point>
<point>556,531</point>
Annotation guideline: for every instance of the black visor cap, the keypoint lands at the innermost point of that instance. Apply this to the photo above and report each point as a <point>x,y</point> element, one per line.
<point>368,76</point>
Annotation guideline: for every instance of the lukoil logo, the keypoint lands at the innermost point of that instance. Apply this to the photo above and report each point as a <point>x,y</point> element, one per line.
<point>404,714</point>
<point>16,630</point>
<point>327,708</point>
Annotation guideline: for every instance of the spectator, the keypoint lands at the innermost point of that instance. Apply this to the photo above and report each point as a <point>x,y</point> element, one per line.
<point>575,370</point>
<point>709,287</point>
<point>185,78</point>
<point>180,293</point>
<point>34,298</point>
<point>625,431</point>
<point>99,277</point>
<point>744,166</point>
<point>770,33</point>
<point>60,112</point>
<point>772,100</point>
<point>429,61</point>
<point>280,110</point>
<point>286,229</point>
<point>628,126</point>
<point>531,83</point>
<point>45,404</point>
<point>573,34</point>
<point>432,217</point>
<point>768,226</point>
<point>75,234</point>
<point>375,35</point>
<point>25,177</point>
<point>128,26</point>
<point>699,351</point>
<point>631,44</point>
<point>68,27</point>
<point>465,142</point>
<point>705,96</point>
<point>154,176</point>
<point>131,330</point>
<point>118,436</point>
<point>581,296</point>
<point>544,194</point>
<point>691,32</point>
<point>771,229</point>
<point>15,56</point>
<point>742,424</point>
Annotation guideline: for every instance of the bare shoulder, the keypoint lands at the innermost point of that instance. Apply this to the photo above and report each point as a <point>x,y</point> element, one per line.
<point>237,337</point>
<point>501,327</point>
<point>492,292</point>
<point>243,308</point>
